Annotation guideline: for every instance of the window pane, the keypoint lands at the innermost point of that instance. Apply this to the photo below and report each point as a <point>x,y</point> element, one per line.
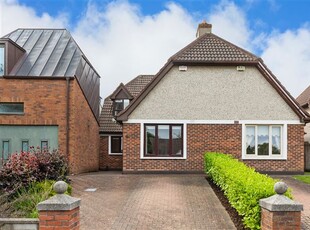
<point>11,108</point>
<point>5,149</point>
<point>276,140</point>
<point>250,140</point>
<point>44,145</point>
<point>118,106</point>
<point>116,144</point>
<point>263,140</point>
<point>150,140</point>
<point>25,146</point>
<point>163,140</point>
<point>177,140</point>
<point>1,60</point>
<point>126,103</point>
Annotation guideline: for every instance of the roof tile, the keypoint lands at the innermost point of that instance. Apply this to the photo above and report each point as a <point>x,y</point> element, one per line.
<point>304,98</point>
<point>211,48</point>
<point>135,86</point>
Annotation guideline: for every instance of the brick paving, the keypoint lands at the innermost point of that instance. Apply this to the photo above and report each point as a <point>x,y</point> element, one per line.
<point>148,202</point>
<point>301,193</point>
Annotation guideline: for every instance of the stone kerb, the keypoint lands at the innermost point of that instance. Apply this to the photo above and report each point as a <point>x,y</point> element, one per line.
<point>60,211</point>
<point>280,212</point>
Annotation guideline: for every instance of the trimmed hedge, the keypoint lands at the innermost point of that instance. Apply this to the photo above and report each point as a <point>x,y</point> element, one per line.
<point>242,185</point>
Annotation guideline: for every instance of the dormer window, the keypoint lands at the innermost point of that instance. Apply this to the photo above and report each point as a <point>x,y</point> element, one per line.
<point>1,59</point>
<point>119,105</point>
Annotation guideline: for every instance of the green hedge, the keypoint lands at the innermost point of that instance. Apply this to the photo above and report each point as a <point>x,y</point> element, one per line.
<point>242,185</point>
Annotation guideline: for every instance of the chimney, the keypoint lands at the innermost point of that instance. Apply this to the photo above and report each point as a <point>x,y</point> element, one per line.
<point>203,28</point>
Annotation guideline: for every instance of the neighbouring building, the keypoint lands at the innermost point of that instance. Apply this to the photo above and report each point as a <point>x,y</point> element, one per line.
<point>111,133</point>
<point>304,101</point>
<point>210,96</point>
<point>49,97</point>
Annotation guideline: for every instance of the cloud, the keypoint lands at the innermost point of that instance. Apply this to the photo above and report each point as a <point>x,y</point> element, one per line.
<point>13,16</point>
<point>229,21</point>
<point>287,54</point>
<point>122,43</point>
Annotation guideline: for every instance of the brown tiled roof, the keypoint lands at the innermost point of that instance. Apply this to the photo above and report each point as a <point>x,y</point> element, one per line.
<point>304,98</point>
<point>135,86</point>
<point>210,48</point>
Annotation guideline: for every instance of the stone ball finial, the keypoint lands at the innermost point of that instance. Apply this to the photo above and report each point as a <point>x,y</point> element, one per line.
<point>60,187</point>
<point>280,187</point>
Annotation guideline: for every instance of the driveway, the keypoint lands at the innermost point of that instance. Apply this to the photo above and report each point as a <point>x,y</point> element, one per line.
<point>148,202</point>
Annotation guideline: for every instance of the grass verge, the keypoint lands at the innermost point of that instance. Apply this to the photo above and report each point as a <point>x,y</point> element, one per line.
<point>303,178</point>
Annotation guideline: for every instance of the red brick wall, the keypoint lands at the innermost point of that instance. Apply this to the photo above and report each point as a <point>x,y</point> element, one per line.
<point>108,161</point>
<point>45,104</point>
<point>64,220</point>
<point>84,133</point>
<point>280,220</point>
<point>203,138</point>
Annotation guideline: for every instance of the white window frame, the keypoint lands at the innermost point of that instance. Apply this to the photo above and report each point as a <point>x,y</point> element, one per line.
<point>110,144</point>
<point>283,147</point>
<point>2,45</point>
<point>142,143</point>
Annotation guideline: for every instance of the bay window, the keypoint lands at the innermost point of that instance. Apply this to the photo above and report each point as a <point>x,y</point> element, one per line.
<point>263,141</point>
<point>163,140</point>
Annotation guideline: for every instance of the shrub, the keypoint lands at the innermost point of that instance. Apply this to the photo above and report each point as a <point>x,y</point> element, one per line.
<point>22,169</point>
<point>242,185</point>
<point>27,198</point>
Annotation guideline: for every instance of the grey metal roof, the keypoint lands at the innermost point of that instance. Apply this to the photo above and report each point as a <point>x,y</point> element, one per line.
<point>54,53</point>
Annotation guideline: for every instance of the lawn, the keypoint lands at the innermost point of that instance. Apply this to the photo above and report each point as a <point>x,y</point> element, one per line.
<point>303,178</point>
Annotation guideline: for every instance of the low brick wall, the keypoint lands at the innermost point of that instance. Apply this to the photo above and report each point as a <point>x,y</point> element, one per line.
<point>19,223</point>
<point>280,212</point>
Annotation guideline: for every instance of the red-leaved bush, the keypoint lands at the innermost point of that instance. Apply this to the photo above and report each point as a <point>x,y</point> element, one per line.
<point>35,165</point>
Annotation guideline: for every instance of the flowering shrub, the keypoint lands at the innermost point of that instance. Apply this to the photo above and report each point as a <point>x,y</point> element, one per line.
<point>35,165</point>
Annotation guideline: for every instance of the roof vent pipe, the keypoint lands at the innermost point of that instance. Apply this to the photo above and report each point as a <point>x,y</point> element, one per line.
<point>203,28</point>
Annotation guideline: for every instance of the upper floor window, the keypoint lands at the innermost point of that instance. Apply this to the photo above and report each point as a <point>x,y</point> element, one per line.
<point>119,105</point>
<point>11,108</point>
<point>1,60</point>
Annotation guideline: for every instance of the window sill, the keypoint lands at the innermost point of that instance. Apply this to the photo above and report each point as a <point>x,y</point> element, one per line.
<point>265,158</point>
<point>115,154</point>
<point>162,158</point>
<point>18,114</point>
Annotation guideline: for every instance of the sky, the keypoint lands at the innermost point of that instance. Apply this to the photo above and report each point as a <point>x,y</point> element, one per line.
<point>123,38</point>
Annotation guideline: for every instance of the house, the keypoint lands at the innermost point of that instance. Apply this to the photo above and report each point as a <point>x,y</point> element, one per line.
<point>304,101</point>
<point>209,96</point>
<point>111,140</point>
<point>49,97</point>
